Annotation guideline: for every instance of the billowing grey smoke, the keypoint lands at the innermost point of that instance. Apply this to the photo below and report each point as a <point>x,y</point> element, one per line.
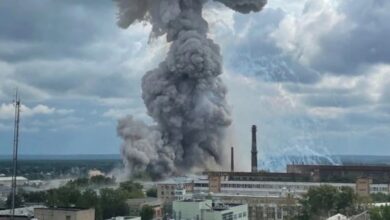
<point>184,95</point>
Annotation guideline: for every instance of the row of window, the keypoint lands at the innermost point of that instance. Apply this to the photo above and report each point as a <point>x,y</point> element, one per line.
<point>265,186</point>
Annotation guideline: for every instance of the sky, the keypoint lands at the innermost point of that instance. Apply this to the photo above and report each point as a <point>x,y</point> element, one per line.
<point>311,74</point>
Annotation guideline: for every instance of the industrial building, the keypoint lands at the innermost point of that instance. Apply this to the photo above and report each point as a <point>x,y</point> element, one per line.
<point>206,210</point>
<point>342,173</point>
<point>7,181</point>
<point>273,195</point>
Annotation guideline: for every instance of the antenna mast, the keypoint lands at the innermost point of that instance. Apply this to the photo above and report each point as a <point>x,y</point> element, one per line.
<point>15,152</point>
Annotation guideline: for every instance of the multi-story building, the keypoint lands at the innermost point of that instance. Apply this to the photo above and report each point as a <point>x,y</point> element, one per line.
<point>64,213</point>
<point>342,173</point>
<point>206,210</point>
<point>225,182</point>
<point>167,191</point>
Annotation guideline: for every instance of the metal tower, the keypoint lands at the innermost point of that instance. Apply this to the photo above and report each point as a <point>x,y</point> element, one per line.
<point>15,152</point>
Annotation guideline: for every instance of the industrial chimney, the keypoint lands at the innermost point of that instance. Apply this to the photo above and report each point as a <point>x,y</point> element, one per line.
<point>254,149</point>
<point>232,159</point>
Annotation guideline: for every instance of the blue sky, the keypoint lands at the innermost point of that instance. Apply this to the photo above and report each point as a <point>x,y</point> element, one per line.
<point>312,74</point>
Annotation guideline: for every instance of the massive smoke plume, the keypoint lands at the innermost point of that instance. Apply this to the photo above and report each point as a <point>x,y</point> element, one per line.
<point>185,95</point>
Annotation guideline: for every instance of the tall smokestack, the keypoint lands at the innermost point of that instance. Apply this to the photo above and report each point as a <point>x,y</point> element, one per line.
<point>254,149</point>
<point>232,159</point>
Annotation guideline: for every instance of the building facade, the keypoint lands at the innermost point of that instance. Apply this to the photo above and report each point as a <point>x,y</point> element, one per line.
<point>203,209</point>
<point>166,191</point>
<point>343,173</point>
<point>270,200</point>
<point>64,214</point>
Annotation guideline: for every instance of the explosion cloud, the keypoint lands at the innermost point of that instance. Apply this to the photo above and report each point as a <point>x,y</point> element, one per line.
<point>185,95</point>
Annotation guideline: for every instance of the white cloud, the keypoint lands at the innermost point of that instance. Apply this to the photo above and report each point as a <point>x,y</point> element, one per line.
<point>7,111</point>
<point>301,35</point>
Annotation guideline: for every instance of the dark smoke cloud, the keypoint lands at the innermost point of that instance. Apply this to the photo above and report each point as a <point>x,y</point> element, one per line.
<point>185,95</point>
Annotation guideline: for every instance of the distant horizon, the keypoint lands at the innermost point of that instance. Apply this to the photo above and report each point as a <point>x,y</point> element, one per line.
<point>21,156</point>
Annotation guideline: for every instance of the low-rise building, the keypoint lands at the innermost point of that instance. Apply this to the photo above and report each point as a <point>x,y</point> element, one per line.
<point>16,217</point>
<point>199,209</point>
<point>27,211</point>
<point>125,218</point>
<point>7,181</point>
<point>64,213</point>
<point>338,217</point>
<point>262,207</point>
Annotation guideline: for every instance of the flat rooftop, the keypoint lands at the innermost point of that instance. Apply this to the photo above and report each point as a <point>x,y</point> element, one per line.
<point>342,167</point>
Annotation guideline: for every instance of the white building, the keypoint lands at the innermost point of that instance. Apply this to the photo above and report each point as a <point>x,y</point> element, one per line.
<point>7,181</point>
<point>25,211</point>
<point>338,217</point>
<point>273,188</point>
<point>125,218</point>
<point>207,210</point>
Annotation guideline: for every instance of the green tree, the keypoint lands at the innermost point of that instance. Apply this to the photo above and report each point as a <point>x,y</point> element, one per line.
<point>101,180</point>
<point>380,197</point>
<point>90,199</point>
<point>35,197</point>
<point>80,182</point>
<point>147,213</point>
<point>327,200</point>
<point>131,189</point>
<point>113,203</point>
<point>380,213</point>
<point>18,201</point>
<point>346,200</point>
<point>152,192</point>
<point>65,196</point>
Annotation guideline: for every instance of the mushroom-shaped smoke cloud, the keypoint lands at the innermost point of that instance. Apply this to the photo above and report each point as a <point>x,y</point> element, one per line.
<point>185,95</point>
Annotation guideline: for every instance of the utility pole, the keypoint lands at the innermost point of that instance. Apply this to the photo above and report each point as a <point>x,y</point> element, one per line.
<point>15,152</point>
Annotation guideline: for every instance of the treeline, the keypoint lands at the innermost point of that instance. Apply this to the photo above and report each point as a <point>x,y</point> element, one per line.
<point>49,169</point>
<point>108,202</point>
<point>326,201</point>
<point>380,213</point>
